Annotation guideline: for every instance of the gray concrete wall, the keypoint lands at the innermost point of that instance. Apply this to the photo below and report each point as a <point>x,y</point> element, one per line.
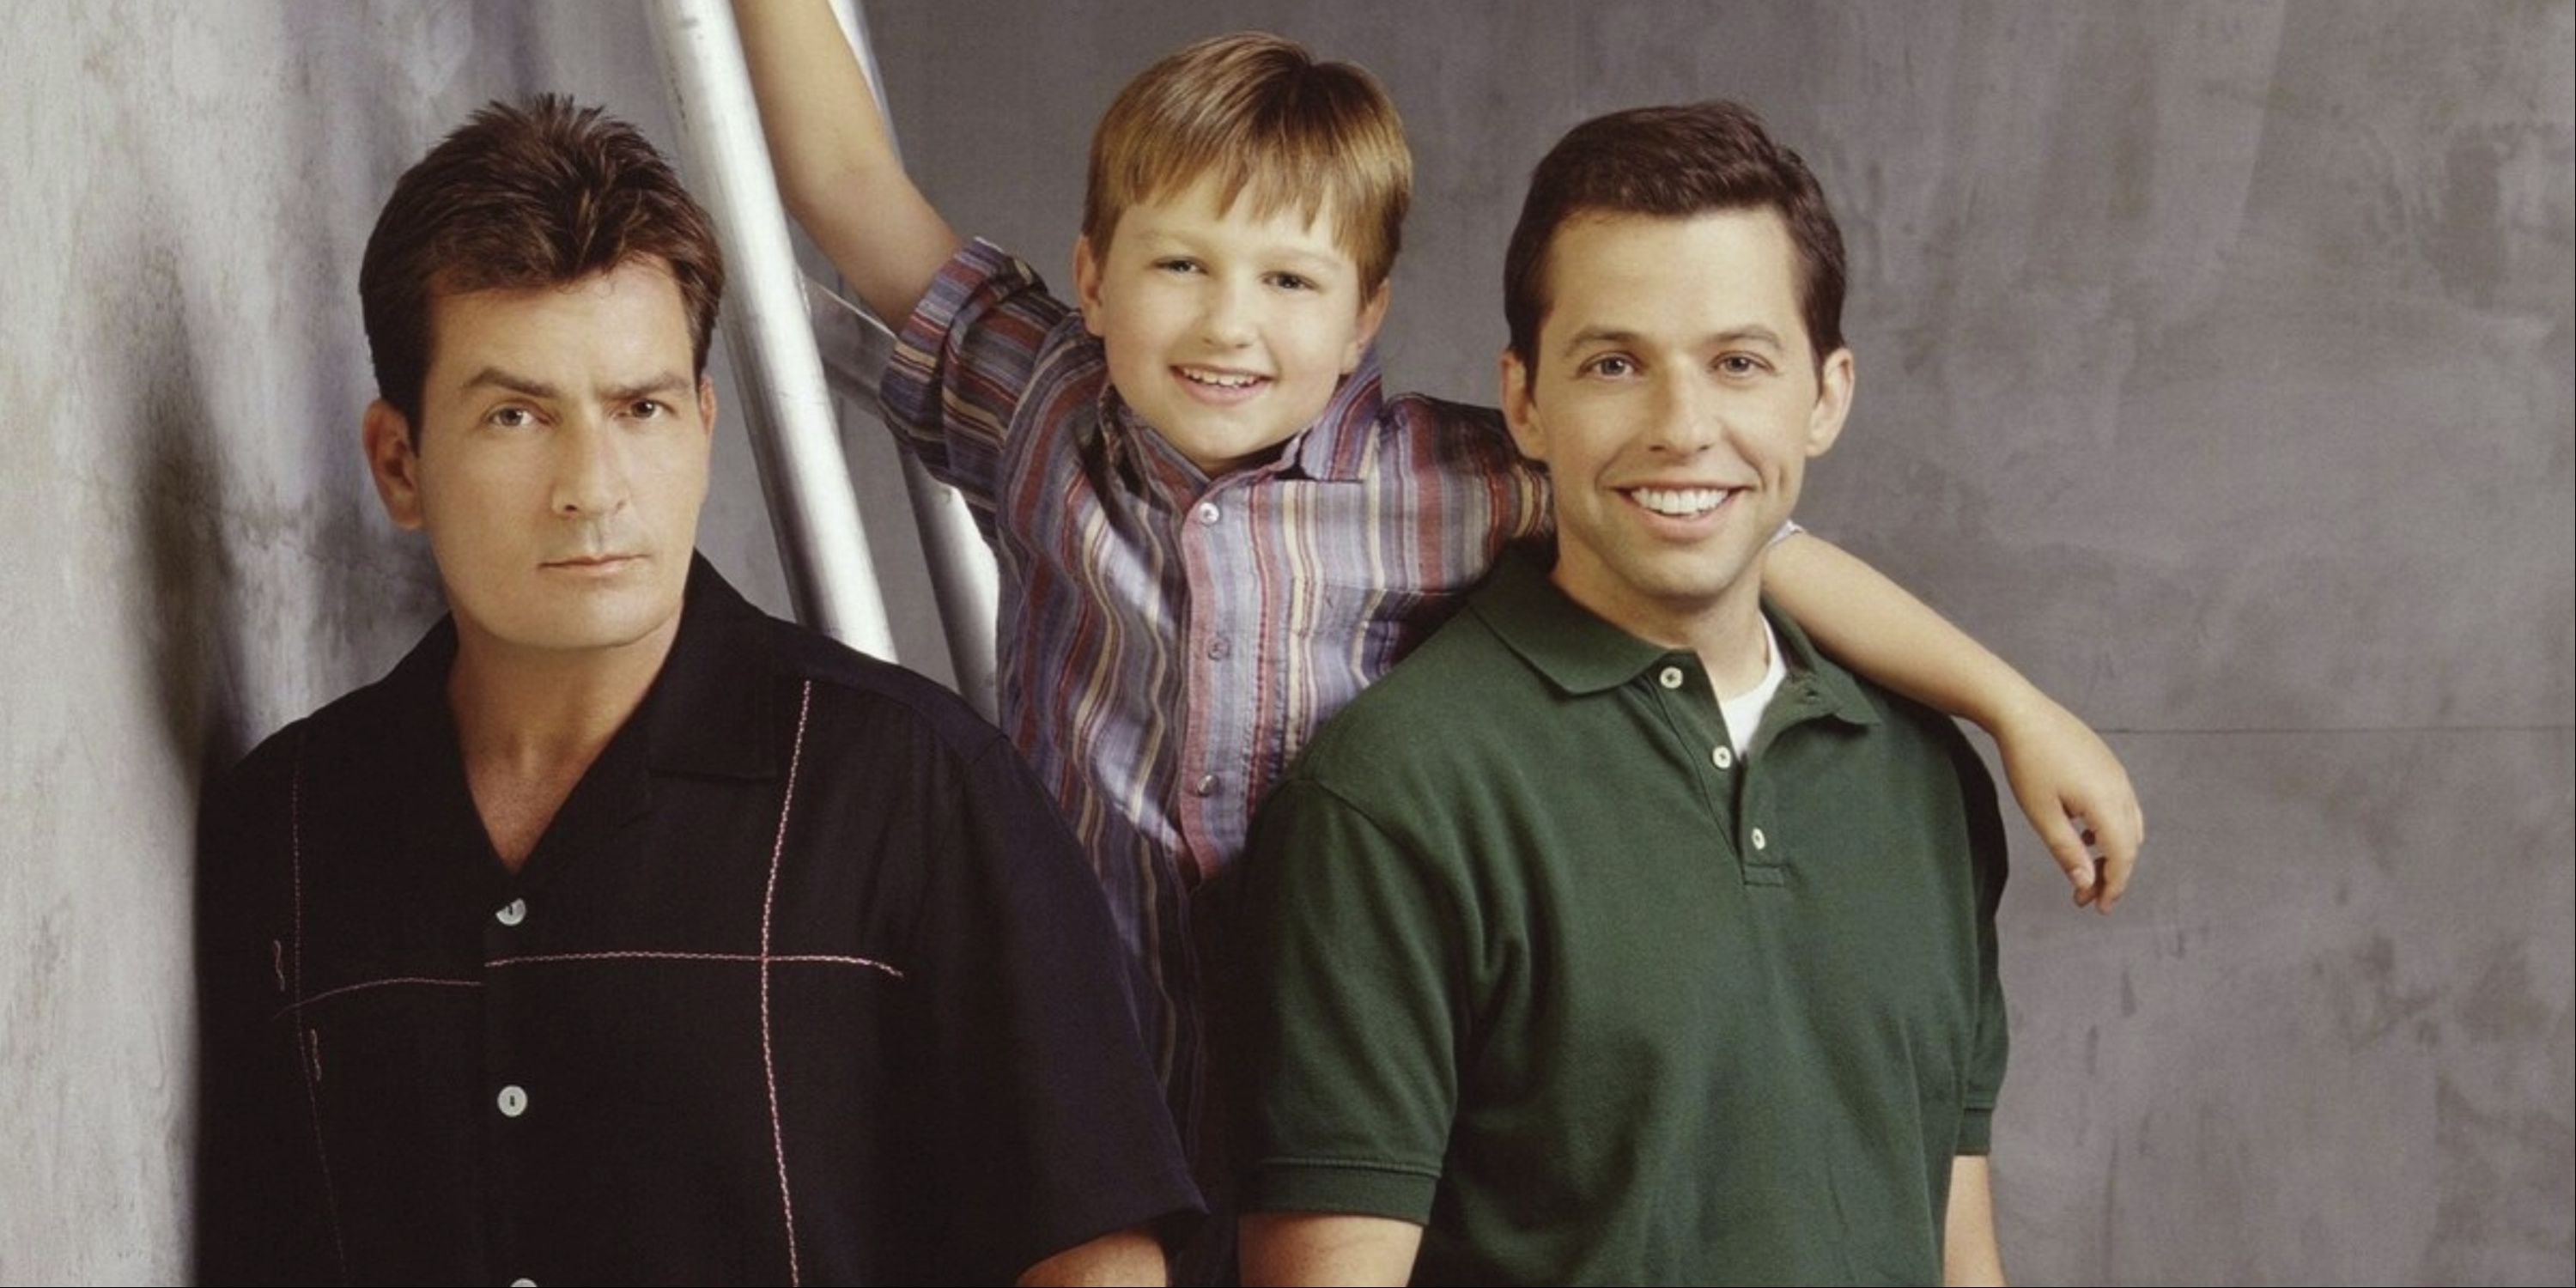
<point>2215,368</point>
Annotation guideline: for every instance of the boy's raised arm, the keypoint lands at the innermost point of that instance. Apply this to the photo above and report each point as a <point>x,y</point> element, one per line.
<point>2061,771</point>
<point>835,161</point>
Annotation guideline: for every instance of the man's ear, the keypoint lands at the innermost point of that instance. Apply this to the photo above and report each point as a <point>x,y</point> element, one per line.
<point>1086,282</point>
<point>1833,402</point>
<point>1520,406</point>
<point>1372,316</point>
<point>707,404</point>
<point>393,463</point>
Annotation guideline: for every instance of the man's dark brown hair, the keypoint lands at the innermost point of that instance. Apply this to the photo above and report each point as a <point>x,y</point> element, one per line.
<point>520,197</point>
<point>1673,162</point>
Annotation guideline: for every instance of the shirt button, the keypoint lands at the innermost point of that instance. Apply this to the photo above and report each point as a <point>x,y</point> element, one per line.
<point>512,913</point>
<point>1760,842</point>
<point>1209,514</point>
<point>1671,678</point>
<point>1206,785</point>
<point>1723,757</point>
<point>513,1101</point>
<point>1220,648</point>
<point>523,1283</point>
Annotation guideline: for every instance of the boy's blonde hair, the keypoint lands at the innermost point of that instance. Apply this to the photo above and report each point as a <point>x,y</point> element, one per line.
<point>1270,125</point>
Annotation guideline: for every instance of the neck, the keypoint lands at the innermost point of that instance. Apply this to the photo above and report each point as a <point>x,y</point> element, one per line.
<point>1724,631</point>
<point>523,712</point>
<point>1731,643</point>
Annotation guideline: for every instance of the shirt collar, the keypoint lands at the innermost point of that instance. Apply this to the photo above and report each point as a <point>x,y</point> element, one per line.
<point>1582,654</point>
<point>709,709</point>
<point>1336,444</point>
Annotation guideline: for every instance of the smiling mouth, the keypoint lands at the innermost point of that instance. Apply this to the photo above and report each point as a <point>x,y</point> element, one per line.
<point>1226,380</point>
<point>1679,502</point>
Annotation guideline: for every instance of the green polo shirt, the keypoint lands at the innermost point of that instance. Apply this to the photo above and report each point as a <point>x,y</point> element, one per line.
<point>1526,959</point>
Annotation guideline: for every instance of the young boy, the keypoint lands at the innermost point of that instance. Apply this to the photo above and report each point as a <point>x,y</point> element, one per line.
<point>1213,528</point>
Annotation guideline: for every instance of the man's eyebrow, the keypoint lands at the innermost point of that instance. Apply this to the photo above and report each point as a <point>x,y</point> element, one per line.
<point>667,385</point>
<point>1593,335</point>
<point>1755,333</point>
<point>517,384</point>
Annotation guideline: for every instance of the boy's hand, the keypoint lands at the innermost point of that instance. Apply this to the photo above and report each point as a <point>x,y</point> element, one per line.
<point>2078,798</point>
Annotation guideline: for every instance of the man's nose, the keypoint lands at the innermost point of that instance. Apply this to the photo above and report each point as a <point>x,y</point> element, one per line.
<point>1686,418</point>
<point>590,468</point>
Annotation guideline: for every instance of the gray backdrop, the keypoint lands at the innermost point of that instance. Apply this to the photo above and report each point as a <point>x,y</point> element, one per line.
<point>2215,368</point>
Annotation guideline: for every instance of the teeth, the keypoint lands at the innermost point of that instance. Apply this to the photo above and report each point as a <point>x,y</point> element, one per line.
<point>1220,379</point>
<point>1678,501</point>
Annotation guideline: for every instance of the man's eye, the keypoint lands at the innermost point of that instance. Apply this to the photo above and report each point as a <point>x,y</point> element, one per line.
<point>1740,364</point>
<point>512,418</point>
<point>646,408</point>
<point>1611,365</point>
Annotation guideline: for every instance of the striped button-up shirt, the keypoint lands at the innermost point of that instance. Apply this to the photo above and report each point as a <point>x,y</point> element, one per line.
<point>1168,641</point>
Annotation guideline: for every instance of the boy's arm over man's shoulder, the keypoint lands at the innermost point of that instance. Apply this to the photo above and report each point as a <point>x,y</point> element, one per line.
<point>2061,771</point>
<point>835,159</point>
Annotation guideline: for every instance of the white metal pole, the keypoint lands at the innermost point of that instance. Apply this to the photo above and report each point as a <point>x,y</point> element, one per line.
<point>777,370</point>
<point>962,574</point>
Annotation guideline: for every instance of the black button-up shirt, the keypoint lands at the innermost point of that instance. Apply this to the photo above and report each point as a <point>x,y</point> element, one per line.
<point>805,981</point>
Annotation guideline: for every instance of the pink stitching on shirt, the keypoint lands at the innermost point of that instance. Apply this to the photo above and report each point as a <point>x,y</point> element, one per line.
<point>312,1067</point>
<point>768,1059</point>
<point>663,955</point>
<point>328,994</point>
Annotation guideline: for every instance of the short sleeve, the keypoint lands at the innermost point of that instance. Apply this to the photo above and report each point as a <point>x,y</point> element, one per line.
<point>962,363</point>
<point>1051,1123</point>
<point>1993,1041</point>
<point>1342,1015</point>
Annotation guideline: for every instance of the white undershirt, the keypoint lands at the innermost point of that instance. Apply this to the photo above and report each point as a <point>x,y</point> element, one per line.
<point>1743,712</point>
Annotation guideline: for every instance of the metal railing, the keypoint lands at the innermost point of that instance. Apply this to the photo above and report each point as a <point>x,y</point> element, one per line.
<point>786,385</point>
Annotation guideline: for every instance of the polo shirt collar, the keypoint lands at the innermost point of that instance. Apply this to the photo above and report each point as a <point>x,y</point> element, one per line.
<point>1583,654</point>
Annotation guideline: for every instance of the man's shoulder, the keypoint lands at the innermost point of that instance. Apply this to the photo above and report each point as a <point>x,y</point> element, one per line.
<point>1439,714</point>
<point>1914,760</point>
<point>1913,730</point>
<point>345,751</point>
<point>1457,434</point>
<point>849,685</point>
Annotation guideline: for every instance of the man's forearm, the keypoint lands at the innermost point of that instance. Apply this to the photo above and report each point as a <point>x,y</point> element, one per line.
<point>1128,1257</point>
<point>1327,1248</point>
<point>1969,1253</point>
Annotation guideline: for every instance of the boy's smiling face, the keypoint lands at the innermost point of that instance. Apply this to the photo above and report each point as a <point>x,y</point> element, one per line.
<point>1227,332</point>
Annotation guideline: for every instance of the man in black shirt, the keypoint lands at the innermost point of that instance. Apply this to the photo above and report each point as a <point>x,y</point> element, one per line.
<point>625,933</point>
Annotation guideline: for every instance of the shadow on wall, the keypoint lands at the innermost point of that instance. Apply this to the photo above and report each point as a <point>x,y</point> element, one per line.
<point>190,570</point>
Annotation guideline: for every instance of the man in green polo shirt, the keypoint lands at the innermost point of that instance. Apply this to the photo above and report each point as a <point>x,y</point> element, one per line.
<point>1617,936</point>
